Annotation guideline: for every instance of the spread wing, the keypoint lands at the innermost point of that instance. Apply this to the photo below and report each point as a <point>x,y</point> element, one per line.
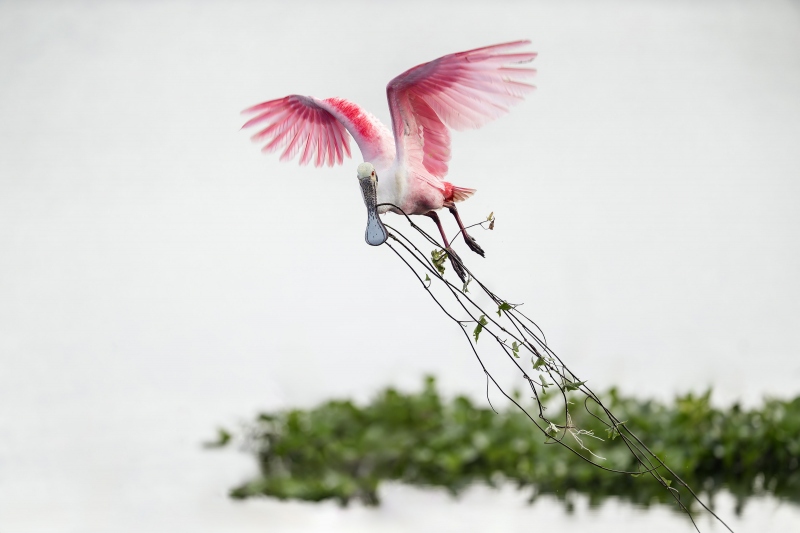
<point>317,129</point>
<point>463,90</point>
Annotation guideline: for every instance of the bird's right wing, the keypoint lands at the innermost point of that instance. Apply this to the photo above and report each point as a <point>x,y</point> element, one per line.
<point>318,129</point>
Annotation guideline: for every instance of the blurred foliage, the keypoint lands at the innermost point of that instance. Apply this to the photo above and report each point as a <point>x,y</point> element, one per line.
<point>342,451</point>
<point>223,438</point>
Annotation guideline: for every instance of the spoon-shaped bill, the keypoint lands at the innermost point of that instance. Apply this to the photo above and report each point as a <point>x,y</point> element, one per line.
<point>376,233</point>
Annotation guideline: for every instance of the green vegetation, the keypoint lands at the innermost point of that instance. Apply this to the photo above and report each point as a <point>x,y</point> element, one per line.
<point>343,451</point>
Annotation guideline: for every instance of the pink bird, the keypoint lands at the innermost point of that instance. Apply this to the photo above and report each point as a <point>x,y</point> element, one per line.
<point>460,91</point>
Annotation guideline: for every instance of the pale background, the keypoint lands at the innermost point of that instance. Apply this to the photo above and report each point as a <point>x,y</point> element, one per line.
<point>160,277</point>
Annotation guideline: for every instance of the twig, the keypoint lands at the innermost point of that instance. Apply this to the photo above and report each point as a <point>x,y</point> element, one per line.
<point>526,336</point>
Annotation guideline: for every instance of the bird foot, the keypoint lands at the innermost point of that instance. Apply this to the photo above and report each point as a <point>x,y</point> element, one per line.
<point>473,245</point>
<point>458,266</point>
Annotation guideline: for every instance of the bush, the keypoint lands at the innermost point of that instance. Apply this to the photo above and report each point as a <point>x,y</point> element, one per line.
<point>341,451</point>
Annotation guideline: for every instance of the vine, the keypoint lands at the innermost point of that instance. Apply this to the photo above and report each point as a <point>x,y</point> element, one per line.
<point>517,335</point>
<point>564,409</point>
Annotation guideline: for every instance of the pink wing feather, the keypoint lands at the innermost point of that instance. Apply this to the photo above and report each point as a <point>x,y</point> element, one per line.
<point>462,90</point>
<point>297,124</point>
<point>317,129</point>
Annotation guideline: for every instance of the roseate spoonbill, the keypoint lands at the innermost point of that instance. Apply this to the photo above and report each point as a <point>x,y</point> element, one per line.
<point>460,91</point>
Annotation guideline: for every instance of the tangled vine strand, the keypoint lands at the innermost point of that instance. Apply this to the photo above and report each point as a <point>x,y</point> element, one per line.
<point>525,337</point>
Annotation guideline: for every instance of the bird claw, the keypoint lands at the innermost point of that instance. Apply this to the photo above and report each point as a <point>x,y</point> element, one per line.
<point>458,265</point>
<point>473,245</point>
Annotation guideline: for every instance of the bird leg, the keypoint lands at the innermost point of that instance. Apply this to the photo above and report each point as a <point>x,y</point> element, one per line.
<point>458,266</point>
<point>471,242</point>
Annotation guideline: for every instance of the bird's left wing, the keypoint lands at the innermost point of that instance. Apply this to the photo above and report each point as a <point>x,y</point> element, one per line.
<point>462,90</point>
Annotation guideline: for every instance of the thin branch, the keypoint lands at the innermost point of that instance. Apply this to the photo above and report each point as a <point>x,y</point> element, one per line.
<point>513,325</point>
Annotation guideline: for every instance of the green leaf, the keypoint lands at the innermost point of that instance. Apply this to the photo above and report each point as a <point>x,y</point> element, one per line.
<point>538,363</point>
<point>464,288</point>
<point>437,258</point>
<point>515,349</point>
<point>505,306</point>
<point>545,384</point>
<point>573,385</point>
<point>666,481</point>
<point>613,432</point>
<point>481,322</point>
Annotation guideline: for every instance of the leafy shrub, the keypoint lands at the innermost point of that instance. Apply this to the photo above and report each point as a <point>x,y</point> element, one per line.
<point>342,451</point>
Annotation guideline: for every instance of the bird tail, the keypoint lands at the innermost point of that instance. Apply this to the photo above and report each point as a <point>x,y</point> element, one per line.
<point>460,194</point>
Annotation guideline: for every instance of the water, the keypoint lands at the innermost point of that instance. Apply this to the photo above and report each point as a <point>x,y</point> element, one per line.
<point>158,276</point>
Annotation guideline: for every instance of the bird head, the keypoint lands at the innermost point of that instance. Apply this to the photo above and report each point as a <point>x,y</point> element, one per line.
<point>367,171</point>
<point>368,181</point>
